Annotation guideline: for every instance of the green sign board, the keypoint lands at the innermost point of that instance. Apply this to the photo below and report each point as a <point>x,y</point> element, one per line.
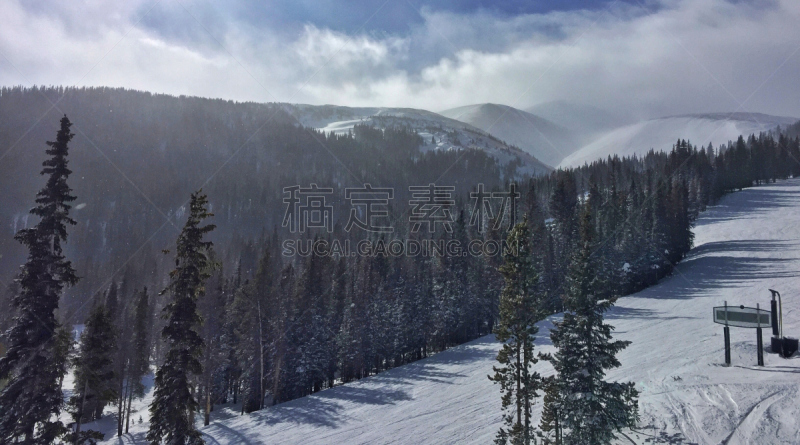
<point>742,317</point>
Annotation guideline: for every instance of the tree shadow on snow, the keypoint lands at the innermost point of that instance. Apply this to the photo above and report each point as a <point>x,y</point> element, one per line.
<point>745,245</point>
<point>699,276</point>
<point>746,203</point>
<point>364,396</point>
<point>312,410</point>
<point>425,371</point>
<point>618,312</point>
<point>129,438</point>
<point>670,439</point>
<point>321,409</point>
<point>227,435</point>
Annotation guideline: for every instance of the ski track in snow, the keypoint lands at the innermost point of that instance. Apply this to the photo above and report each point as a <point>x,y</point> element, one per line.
<point>745,245</point>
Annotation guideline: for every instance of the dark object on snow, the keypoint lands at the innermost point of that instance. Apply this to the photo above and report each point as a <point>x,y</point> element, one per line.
<point>786,346</point>
<point>789,347</point>
<point>760,349</point>
<point>774,314</point>
<point>727,333</point>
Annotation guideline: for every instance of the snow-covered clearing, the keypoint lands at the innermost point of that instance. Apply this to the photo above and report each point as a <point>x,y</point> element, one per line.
<point>745,245</point>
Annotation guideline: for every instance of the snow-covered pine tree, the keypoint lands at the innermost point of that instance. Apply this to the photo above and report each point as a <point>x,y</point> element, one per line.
<point>174,403</point>
<point>347,341</point>
<point>140,359</point>
<point>591,409</point>
<point>213,310</point>
<point>310,330</point>
<point>520,309</point>
<point>250,353</point>
<point>231,366</point>
<point>34,364</point>
<point>282,358</point>
<point>118,314</point>
<point>334,317</point>
<point>95,383</point>
<point>550,423</point>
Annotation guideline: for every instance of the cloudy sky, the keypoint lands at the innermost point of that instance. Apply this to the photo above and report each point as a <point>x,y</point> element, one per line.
<point>642,58</point>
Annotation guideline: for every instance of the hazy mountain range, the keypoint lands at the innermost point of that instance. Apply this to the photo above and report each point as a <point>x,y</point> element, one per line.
<point>548,135</point>
<point>545,136</point>
<point>662,133</point>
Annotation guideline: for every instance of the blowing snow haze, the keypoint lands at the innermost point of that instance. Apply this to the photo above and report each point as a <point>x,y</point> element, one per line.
<point>329,221</point>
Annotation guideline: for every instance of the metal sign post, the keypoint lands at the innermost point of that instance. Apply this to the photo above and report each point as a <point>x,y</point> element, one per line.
<point>759,341</point>
<point>727,333</point>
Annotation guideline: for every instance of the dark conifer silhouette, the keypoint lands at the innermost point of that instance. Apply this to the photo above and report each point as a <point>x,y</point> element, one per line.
<point>520,308</point>
<point>34,363</point>
<point>174,402</point>
<point>591,410</point>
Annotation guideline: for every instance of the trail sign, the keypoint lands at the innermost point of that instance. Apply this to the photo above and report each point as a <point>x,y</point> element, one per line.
<point>742,317</point>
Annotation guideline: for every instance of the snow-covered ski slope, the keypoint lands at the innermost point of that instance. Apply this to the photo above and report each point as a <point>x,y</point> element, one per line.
<point>746,244</point>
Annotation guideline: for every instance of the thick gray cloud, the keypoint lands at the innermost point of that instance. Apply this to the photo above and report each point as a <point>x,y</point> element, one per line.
<point>669,57</point>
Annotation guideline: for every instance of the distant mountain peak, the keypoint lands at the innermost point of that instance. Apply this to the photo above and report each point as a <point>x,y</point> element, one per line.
<point>534,134</point>
<point>450,133</point>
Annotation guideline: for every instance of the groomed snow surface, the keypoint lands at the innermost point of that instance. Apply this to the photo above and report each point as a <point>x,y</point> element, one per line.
<point>745,245</point>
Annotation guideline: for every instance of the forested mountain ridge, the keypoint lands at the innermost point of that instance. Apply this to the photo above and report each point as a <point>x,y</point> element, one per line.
<point>137,156</point>
<point>438,131</point>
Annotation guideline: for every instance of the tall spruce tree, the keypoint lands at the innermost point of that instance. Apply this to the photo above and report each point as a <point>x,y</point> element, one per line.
<point>591,409</point>
<point>174,403</point>
<point>520,309</point>
<point>94,371</point>
<point>34,365</point>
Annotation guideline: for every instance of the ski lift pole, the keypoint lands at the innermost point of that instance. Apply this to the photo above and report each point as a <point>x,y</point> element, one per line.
<point>759,340</point>
<point>727,332</point>
<point>777,317</point>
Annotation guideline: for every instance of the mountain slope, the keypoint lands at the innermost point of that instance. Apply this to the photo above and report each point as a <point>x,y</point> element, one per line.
<point>745,245</point>
<point>662,133</point>
<point>541,138</point>
<point>448,134</point>
<point>584,121</point>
